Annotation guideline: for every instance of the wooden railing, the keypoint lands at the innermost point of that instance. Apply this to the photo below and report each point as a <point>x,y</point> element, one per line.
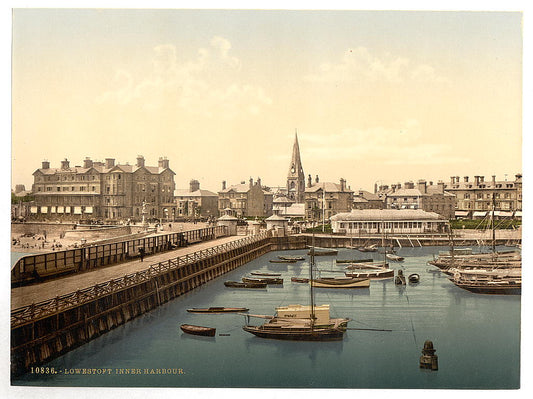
<point>42,265</point>
<point>45,308</point>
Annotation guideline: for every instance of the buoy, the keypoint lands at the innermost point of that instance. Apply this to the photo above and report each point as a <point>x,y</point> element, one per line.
<point>414,278</point>
<point>429,360</point>
<point>400,278</point>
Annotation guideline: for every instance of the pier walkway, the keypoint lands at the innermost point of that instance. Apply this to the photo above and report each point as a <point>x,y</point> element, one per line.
<point>26,295</point>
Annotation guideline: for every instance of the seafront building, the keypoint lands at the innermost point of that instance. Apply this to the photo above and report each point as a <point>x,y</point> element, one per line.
<point>196,202</point>
<point>104,191</point>
<point>325,199</point>
<point>475,196</point>
<point>428,197</point>
<point>245,200</point>
<point>388,221</point>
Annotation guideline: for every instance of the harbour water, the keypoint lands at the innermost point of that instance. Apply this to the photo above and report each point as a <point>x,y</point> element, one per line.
<point>476,337</point>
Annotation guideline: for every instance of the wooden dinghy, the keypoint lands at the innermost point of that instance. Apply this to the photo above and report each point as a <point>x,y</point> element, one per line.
<point>266,280</point>
<point>354,260</point>
<point>265,274</point>
<point>291,257</point>
<point>374,273</point>
<point>217,309</point>
<point>282,260</point>
<point>239,284</point>
<point>341,282</point>
<point>198,330</point>
<point>299,280</point>
<point>322,252</point>
<point>393,257</point>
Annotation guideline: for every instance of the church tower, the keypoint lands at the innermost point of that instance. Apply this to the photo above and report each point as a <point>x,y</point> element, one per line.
<point>296,177</point>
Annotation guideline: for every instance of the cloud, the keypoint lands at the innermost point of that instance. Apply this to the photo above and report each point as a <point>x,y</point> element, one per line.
<point>359,64</point>
<point>401,145</point>
<point>206,85</point>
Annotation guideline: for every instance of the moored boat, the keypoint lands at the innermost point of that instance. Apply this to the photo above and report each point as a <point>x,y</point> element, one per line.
<point>394,257</point>
<point>354,260</point>
<point>371,274</point>
<point>282,260</point>
<point>239,284</point>
<point>370,248</point>
<point>198,330</point>
<point>341,282</point>
<point>414,278</point>
<point>322,251</point>
<point>265,274</point>
<point>296,258</point>
<point>217,309</point>
<point>299,280</point>
<point>266,280</point>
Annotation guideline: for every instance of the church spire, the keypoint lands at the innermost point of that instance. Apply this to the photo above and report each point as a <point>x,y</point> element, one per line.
<point>296,176</point>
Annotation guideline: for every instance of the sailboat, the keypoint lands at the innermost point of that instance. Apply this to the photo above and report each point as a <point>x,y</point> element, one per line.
<point>492,275</point>
<point>301,322</point>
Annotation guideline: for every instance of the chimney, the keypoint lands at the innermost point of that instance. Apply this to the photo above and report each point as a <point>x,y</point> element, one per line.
<point>393,186</point>
<point>375,188</point>
<point>422,187</point>
<point>87,163</point>
<point>46,165</point>
<point>251,182</point>
<point>163,163</point>
<point>466,179</point>
<point>482,179</point>
<point>476,180</point>
<point>194,185</point>
<point>109,163</point>
<point>309,181</point>
<point>399,185</point>
<point>452,179</point>
<point>316,179</point>
<point>457,179</point>
<point>223,184</point>
<point>140,161</point>
<point>343,184</point>
<point>440,183</point>
<point>65,164</point>
<point>494,180</point>
<point>259,181</point>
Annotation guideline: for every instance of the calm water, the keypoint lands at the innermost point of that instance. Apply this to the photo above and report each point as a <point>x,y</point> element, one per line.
<point>477,337</point>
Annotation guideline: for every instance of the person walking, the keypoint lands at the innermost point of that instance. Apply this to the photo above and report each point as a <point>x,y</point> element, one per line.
<point>141,253</point>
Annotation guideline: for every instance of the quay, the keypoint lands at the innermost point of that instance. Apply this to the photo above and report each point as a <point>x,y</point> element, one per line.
<point>53,317</point>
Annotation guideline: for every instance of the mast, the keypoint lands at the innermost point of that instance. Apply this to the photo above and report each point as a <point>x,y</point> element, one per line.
<point>311,265</point>
<point>492,225</point>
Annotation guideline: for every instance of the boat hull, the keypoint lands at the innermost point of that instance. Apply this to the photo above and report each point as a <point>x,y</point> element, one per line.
<point>217,310</point>
<point>339,283</point>
<point>198,330</point>
<point>297,334</point>
<point>374,274</point>
<point>237,284</point>
<point>492,290</point>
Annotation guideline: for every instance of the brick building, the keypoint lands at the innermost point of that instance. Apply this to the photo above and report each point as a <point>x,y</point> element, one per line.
<point>195,202</point>
<point>245,200</point>
<point>104,191</point>
<point>325,199</point>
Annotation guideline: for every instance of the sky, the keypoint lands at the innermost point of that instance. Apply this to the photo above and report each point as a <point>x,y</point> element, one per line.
<point>375,96</point>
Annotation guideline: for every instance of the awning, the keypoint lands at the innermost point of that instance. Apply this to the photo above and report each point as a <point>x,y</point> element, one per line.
<point>60,209</point>
<point>479,214</point>
<point>518,214</point>
<point>67,209</point>
<point>461,213</point>
<point>77,210</point>
<point>52,209</point>
<point>44,209</point>
<point>506,214</point>
<point>33,209</point>
<point>88,209</point>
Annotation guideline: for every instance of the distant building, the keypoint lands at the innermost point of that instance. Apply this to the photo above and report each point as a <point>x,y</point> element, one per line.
<point>428,197</point>
<point>296,176</point>
<point>389,221</point>
<point>323,200</point>
<point>475,197</point>
<point>196,202</point>
<point>366,200</point>
<point>104,191</point>
<point>245,200</point>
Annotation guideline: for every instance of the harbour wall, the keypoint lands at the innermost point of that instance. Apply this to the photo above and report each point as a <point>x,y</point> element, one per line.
<point>43,331</point>
<point>35,268</point>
